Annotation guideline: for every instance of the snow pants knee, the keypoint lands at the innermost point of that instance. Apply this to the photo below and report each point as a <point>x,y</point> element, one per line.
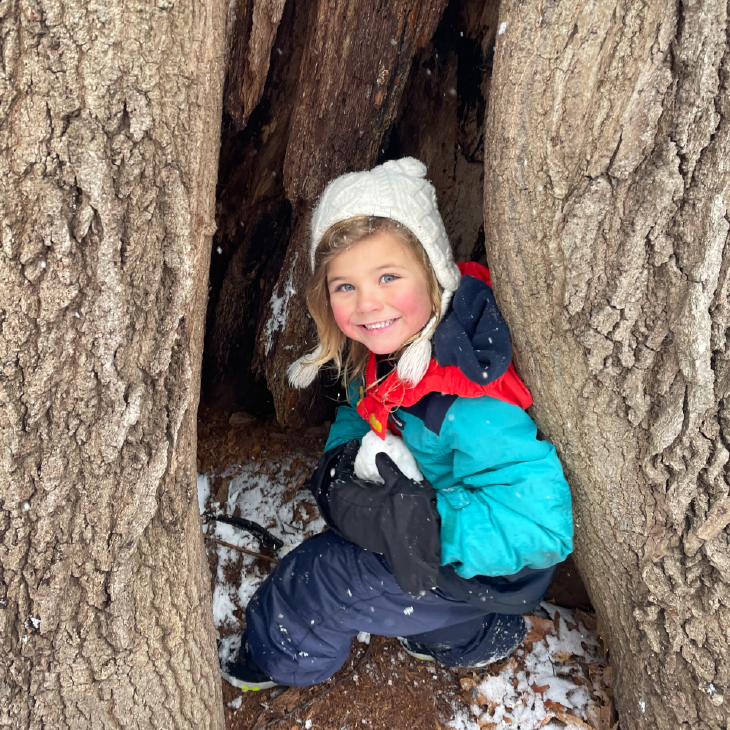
<point>302,619</point>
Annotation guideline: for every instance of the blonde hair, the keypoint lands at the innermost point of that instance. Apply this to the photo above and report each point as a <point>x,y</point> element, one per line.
<point>350,357</point>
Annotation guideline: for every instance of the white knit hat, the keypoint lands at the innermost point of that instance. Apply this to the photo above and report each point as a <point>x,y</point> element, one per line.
<point>398,190</point>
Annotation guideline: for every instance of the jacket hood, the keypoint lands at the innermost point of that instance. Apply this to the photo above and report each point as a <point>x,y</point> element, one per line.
<point>473,335</point>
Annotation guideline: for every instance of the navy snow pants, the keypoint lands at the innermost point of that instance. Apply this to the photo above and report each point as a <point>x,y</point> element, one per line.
<point>302,619</point>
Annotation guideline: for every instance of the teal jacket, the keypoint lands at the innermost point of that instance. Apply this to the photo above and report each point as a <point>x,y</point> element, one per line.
<point>501,494</point>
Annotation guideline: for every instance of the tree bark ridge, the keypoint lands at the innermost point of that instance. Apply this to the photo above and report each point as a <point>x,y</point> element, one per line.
<point>108,119</point>
<point>606,220</point>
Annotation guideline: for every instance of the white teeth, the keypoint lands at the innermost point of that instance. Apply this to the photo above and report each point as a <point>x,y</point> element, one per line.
<point>378,325</point>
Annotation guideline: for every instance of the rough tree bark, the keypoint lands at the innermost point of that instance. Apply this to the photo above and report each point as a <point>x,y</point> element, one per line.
<point>441,119</point>
<point>109,119</point>
<point>606,204</point>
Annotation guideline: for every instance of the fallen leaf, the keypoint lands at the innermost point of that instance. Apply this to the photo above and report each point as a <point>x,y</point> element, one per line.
<point>571,720</point>
<point>607,716</point>
<point>593,715</point>
<point>484,702</point>
<point>311,511</point>
<point>588,620</point>
<point>510,665</point>
<point>539,690</point>
<point>286,701</point>
<point>487,725</point>
<point>582,681</point>
<point>539,628</point>
<point>562,657</point>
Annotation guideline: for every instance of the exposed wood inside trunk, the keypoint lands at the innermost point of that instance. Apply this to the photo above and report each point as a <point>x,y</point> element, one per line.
<point>412,87</point>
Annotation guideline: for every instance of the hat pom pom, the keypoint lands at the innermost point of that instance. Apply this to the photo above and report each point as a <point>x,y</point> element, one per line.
<point>414,361</point>
<point>407,166</point>
<point>302,373</point>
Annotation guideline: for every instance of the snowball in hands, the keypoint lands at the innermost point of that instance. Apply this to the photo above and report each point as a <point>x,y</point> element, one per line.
<point>395,448</point>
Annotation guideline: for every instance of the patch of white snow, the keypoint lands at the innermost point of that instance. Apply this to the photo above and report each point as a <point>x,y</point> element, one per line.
<point>279,308</point>
<point>203,491</point>
<point>395,447</point>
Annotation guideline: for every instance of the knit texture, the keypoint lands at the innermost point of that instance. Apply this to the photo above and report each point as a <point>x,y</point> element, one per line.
<point>397,190</point>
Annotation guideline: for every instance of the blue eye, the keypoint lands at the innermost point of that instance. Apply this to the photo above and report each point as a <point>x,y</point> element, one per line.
<point>387,278</point>
<point>344,287</point>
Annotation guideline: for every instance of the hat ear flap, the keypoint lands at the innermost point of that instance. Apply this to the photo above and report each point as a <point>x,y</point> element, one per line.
<point>414,361</point>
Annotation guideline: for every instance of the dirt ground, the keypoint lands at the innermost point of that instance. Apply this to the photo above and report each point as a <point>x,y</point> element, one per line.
<point>380,687</point>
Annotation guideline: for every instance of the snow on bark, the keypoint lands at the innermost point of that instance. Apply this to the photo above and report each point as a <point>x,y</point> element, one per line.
<point>279,305</point>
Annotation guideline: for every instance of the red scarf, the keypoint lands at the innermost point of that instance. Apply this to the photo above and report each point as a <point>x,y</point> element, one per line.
<point>392,392</point>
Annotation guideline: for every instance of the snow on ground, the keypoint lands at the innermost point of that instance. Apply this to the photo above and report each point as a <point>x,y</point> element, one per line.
<point>556,679</point>
<point>261,493</point>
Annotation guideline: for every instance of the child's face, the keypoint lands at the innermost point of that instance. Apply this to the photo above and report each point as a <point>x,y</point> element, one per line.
<point>378,293</point>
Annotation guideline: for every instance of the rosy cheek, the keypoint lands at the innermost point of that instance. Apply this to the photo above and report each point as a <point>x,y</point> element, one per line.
<point>341,316</point>
<point>415,304</point>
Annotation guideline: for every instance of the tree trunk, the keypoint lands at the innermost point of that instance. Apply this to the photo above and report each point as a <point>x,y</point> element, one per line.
<point>412,85</point>
<point>109,121</point>
<point>352,75</point>
<point>606,204</point>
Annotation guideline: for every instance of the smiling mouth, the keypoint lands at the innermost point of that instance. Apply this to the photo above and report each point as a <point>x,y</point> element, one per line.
<point>378,325</point>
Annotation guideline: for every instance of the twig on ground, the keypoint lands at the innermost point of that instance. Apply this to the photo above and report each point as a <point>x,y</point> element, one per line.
<point>240,549</point>
<point>261,723</point>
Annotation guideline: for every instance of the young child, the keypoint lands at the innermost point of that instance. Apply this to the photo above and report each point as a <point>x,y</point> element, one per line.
<point>448,564</point>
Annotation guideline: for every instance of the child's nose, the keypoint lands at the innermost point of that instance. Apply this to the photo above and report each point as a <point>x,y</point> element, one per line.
<point>369,301</point>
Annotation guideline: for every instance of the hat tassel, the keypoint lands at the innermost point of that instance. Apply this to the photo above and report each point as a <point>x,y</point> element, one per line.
<point>414,362</point>
<point>303,371</point>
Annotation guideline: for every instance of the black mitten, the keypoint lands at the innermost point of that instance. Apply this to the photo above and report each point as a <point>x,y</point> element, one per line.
<point>321,481</point>
<point>397,519</point>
